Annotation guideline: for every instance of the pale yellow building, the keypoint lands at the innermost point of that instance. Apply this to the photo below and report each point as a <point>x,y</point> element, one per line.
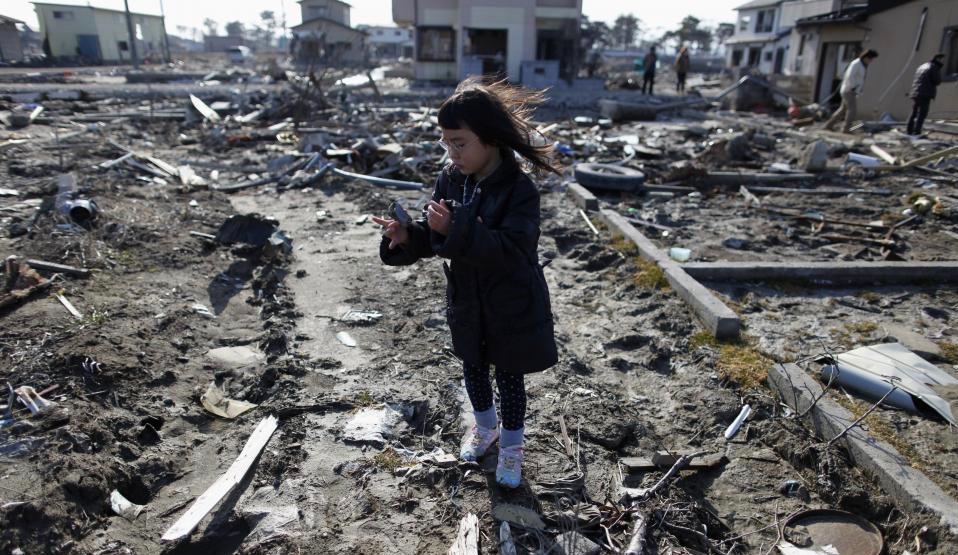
<point>822,46</point>
<point>98,35</point>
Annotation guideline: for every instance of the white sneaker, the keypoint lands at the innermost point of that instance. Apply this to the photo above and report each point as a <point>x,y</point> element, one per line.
<point>509,469</point>
<point>477,442</point>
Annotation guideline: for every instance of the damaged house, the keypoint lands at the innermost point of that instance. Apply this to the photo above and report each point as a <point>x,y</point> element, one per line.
<point>905,33</point>
<point>530,41</point>
<point>326,36</point>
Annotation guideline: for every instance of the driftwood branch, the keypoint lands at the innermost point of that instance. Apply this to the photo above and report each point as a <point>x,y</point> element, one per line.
<point>637,543</point>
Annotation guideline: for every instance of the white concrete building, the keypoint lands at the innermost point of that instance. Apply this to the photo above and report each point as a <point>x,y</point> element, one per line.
<point>532,41</point>
<point>388,42</point>
<point>98,35</point>
<point>759,41</point>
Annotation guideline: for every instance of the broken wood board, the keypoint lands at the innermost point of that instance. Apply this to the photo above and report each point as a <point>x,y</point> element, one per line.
<point>225,483</point>
<point>467,540</point>
<point>662,461</point>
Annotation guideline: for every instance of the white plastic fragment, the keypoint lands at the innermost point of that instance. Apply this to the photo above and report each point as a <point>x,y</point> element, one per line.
<point>346,339</point>
<point>732,430</point>
<point>124,507</point>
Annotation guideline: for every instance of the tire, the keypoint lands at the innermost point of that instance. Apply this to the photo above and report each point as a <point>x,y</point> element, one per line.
<point>609,177</point>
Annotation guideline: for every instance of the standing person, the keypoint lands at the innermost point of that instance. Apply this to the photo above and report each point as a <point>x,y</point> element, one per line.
<point>923,91</point>
<point>484,218</point>
<point>682,63</point>
<point>648,76</point>
<point>852,84</point>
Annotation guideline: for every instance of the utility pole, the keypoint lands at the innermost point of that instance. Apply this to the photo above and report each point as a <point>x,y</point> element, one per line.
<point>129,30</point>
<point>166,38</point>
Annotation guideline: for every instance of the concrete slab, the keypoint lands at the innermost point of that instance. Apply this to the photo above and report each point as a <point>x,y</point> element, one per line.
<point>719,319</point>
<point>583,197</point>
<point>908,486</point>
<point>831,272</point>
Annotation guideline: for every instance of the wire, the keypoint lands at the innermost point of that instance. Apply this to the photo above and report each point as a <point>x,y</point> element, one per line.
<point>921,30</point>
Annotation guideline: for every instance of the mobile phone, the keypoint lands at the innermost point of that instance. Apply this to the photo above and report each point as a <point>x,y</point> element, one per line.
<point>399,213</point>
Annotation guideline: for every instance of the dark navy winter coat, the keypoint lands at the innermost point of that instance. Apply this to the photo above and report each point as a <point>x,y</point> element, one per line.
<point>926,82</point>
<point>497,300</point>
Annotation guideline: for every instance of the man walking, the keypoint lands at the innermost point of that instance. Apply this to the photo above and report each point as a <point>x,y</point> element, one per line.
<point>923,91</point>
<point>648,76</point>
<point>852,84</point>
<point>682,64</point>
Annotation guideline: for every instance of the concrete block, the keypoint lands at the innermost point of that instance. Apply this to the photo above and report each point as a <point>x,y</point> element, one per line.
<point>906,485</point>
<point>583,197</point>
<point>718,318</point>
<point>815,157</point>
<point>831,272</point>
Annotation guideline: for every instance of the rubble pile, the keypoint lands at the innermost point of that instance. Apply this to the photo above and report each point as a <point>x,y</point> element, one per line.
<point>197,329</point>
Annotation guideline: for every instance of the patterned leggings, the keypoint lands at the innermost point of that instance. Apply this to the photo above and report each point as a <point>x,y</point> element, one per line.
<point>512,393</point>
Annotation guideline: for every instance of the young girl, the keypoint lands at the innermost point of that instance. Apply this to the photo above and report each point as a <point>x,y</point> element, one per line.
<point>484,218</point>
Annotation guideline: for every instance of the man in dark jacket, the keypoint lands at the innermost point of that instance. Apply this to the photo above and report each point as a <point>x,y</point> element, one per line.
<point>648,75</point>
<point>923,90</point>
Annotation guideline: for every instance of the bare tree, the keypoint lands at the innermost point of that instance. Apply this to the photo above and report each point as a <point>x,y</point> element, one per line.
<point>626,30</point>
<point>212,27</point>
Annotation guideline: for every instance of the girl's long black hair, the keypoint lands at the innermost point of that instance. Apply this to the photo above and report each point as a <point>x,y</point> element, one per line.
<point>498,113</point>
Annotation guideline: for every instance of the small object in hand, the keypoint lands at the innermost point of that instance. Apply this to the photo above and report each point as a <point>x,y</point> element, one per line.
<point>399,213</point>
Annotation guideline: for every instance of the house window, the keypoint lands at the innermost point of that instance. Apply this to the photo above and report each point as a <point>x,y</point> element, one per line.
<point>949,46</point>
<point>764,21</point>
<point>744,22</point>
<point>736,57</point>
<point>801,45</point>
<point>436,44</point>
<point>753,56</point>
<point>123,45</point>
<point>768,56</point>
<point>67,15</point>
<point>139,32</point>
<point>396,33</point>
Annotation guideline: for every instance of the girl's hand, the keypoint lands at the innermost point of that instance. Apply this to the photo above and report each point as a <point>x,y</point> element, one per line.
<point>398,235</point>
<point>438,216</point>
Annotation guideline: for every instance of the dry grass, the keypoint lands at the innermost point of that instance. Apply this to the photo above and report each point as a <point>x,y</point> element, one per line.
<point>364,399</point>
<point>743,364</point>
<point>870,297</point>
<point>739,362</point>
<point>650,275</point>
<point>877,427</point>
<point>389,460</point>
<point>853,333</point>
<point>624,245</point>
<point>949,351</point>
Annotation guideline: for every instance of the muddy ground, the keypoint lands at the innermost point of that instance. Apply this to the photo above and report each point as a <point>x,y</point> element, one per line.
<point>636,374</point>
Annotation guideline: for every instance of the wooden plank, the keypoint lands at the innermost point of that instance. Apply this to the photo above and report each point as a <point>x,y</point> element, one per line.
<point>467,541</point>
<point>883,154</point>
<point>226,482</point>
<point>69,306</point>
<point>45,266</point>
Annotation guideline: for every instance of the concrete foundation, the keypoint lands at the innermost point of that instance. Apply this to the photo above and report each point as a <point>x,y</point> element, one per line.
<point>583,198</point>
<point>719,319</point>
<point>831,272</point>
<point>908,486</point>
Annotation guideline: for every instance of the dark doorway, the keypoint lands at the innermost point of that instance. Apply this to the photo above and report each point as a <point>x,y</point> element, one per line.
<point>488,46</point>
<point>88,47</point>
<point>779,61</point>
